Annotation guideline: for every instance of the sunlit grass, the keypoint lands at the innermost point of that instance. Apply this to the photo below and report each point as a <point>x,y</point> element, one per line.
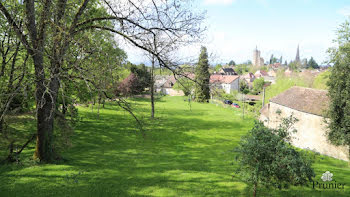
<point>187,152</point>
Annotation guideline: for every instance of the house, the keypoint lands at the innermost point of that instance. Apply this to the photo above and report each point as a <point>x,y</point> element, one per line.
<point>227,71</point>
<point>248,79</point>
<point>272,73</point>
<point>228,83</point>
<point>275,66</point>
<point>263,74</point>
<point>159,81</point>
<point>308,106</point>
<point>260,73</point>
<point>164,85</point>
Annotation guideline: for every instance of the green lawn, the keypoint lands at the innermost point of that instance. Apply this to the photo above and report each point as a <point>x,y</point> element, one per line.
<point>185,153</point>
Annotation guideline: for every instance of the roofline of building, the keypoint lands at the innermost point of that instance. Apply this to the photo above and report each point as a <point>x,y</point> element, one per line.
<point>297,109</point>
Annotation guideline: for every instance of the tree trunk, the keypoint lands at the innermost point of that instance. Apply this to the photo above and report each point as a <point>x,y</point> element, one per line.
<point>152,88</point>
<point>1,124</point>
<point>255,188</point>
<point>99,104</point>
<point>44,150</point>
<point>46,106</point>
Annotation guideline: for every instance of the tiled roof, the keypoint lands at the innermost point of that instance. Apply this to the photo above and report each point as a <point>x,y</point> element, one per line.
<point>249,76</point>
<point>223,78</point>
<point>261,73</point>
<point>304,99</point>
<point>170,82</point>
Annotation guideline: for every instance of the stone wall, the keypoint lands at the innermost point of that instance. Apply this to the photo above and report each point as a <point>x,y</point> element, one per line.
<point>311,131</point>
<point>172,92</point>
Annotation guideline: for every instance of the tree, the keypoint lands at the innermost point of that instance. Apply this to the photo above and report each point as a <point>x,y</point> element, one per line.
<point>143,78</point>
<point>258,84</point>
<point>266,158</point>
<point>243,87</point>
<point>54,29</point>
<point>273,59</point>
<point>312,64</point>
<point>218,67</point>
<point>202,91</point>
<point>185,85</point>
<point>339,89</point>
<point>129,86</point>
<point>232,63</point>
<point>281,60</point>
<point>248,62</point>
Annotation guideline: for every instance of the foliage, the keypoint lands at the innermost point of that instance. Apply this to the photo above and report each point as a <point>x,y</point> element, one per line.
<point>232,63</point>
<point>321,80</point>
<point>243,87</point>
<point>129,86</point>
<point>143,77</point>
<point>184,84</point>
<point>202,91</point>
<point>265,158</point>
<point>218,67</point>
<point>339,89</point>
<point>294,66</point>
<point>241,69</point>
<point>273,59</point>
<point>258,84</point>
<point>312,64</point>
<point>282,84</point>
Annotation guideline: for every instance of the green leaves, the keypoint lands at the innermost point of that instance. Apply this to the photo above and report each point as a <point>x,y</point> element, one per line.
<point>202,91</point>
<point>266,158</point>
<point>339,89</point>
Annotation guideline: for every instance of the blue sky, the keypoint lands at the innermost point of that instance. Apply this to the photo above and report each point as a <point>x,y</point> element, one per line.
<point>235,27</point>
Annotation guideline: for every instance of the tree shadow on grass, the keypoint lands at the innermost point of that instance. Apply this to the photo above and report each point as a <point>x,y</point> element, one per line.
<point>185,153</point>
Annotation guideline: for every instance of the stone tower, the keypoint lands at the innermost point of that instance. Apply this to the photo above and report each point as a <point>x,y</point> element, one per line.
<point>297,58</point>
<point>257,60</point>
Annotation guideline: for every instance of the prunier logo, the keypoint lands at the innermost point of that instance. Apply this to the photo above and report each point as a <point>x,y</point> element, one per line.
<point>327,183</point>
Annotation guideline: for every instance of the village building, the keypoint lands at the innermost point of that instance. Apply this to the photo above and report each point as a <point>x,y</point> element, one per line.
<point>227,71</point>
<point>228,83</point>
<point>272,73</point>
<point>164,85</point>
<point>275,66</point>
<point>308,106</point>
<point>260,73</point>
<point>267,78</point>
<point>248,79</point>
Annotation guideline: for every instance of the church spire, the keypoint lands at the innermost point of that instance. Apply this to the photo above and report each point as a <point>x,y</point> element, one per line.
<point>297,58</point>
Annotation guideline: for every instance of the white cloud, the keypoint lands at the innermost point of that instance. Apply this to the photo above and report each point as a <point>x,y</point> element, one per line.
<point>345,11</point>
<point>218,2</point>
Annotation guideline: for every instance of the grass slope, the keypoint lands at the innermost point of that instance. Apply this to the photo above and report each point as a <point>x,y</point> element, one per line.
<point>185,153</point>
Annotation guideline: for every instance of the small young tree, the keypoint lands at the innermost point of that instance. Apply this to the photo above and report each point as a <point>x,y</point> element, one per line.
<point>266,158</point>
<point>202,91</point>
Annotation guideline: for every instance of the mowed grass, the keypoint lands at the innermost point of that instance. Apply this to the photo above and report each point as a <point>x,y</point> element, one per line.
<point>187,151</point>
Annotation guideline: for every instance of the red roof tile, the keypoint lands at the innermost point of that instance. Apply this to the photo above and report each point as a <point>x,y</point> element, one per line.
<point>223,78</point>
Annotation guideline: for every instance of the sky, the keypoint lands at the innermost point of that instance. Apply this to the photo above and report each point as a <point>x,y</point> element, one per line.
<point>236,27</point>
